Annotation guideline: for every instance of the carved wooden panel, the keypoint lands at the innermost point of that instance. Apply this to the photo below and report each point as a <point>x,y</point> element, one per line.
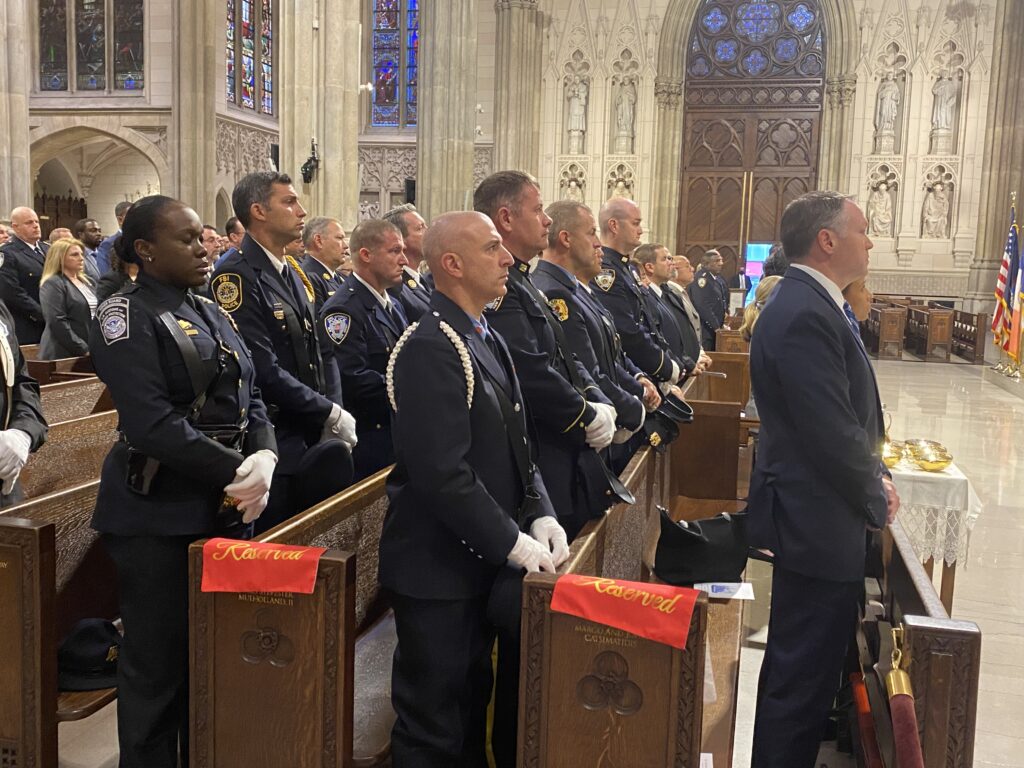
<point>626,700</point>
<point>717,143</point>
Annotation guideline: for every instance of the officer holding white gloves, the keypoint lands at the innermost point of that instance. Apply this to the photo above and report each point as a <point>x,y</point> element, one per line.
<point>195,458</point>
<point>24,428</point>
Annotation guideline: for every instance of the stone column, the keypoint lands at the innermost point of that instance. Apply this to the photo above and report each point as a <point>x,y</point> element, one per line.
<point>1003,153</point>
<point>663,214</point>
<point>16,76</point>
<point>517,86</point>
<point>447,88</point>
<point>199,56</point>
<point>836,152</point>
<point>318,87</point>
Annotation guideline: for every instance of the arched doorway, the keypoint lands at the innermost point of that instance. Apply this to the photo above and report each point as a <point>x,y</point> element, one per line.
<point>754,87</point>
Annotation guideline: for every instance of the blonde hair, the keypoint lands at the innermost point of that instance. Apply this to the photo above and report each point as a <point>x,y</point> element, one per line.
<point>753,310</point>
<point>54,263</point>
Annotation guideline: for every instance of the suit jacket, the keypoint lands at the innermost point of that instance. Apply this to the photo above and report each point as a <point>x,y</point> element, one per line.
<point>618,290</point>
<point>67,320</point>
<point>20,271</point>
<point>278,324</point>
<point>589,341</point>
<point>103,251</point>
<point>669,328</point>
<point>413,295</point>
<point>681,308</point>
<point>711,299</point>
<point>324,283</point>
<point>734,281</point>
<point>19,404</point>
<point>817,483</point>
<point>92,269</point>
<point>359,335</point>
<point>464,483</point>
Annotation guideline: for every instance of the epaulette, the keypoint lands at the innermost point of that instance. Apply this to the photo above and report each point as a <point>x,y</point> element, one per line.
<point>460,349</point>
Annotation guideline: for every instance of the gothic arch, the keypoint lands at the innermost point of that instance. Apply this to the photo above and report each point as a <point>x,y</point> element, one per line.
<point>841,56</point>
<point>56,135</point>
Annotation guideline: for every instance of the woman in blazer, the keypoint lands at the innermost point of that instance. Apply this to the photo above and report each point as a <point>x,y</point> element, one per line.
<point>68,301</point>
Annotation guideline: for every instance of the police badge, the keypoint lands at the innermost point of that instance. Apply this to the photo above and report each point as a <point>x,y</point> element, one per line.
<point>227,290</point>
<point>560,308</point>
<point>702,282</point>
<point>337,325</point>
<point>605,279</point>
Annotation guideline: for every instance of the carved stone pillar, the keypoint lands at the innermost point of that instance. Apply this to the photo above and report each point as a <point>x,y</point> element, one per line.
<point>319,98</point>
<point>1003,153</point>
<point>517,86</point>
<point>447,89</point>
<point>663,215</point>
<point>15,81</point>
<point>837,133</point>
<point>200,60</point>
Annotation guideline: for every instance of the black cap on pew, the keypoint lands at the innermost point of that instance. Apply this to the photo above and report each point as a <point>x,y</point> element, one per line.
<point>87,659</point>
<point>325,469</point>
<point>660,430</point>
<point>701,551</point>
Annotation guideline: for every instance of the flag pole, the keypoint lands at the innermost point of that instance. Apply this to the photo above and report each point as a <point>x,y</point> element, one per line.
<point>1006,366</point>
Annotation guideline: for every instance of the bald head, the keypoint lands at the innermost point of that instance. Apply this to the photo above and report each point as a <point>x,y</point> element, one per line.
<point>467,259</point>
<point>25,224</point>
<point>447,234</point>
<point>620,222</point>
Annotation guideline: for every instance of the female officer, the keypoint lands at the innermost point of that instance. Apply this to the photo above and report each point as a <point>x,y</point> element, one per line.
<point>194,459</point>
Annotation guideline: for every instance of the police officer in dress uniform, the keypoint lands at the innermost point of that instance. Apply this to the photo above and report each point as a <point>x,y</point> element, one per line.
<point>20,270</point>
<point>260,286</point>
<point>710,296</point>
<point>414,292</point>
<point>24,428</point>
<point>574,418</point>
<point>359,326</point>
<point>326,245</point>
<point>193,432</point>
<point>571,260</point>
<point>468,511</point>
<point>618,289</point>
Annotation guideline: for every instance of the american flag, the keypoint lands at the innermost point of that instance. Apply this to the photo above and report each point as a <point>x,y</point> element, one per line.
<point>1003,315</point>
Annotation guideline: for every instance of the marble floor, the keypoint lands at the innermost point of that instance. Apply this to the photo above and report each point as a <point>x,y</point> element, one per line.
<point>980,417</point>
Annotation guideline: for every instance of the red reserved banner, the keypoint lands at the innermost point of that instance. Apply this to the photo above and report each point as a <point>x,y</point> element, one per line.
<point>657,612</point>
<point>230,565</point>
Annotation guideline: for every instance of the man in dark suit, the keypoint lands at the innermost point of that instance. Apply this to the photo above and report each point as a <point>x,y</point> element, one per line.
<point>268,302</point>
<point>106,247</point>
<point>20,270</point>
<point>739,280</point>
<point>818,487</point>
<point>88,231</point>
<point>678,300</point>
<point>414,292</point>
<point>618,289</point>
<point>325,242</point>
<point>655,265</point>
<point>359,327</point>
<point>469,511</point>
<point>574,418</point>
<point>710,296</point>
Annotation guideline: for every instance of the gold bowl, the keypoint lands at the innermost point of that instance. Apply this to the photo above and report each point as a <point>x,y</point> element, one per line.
<point>918,447</point>
<point>935,462</point>
<point>892,453</point>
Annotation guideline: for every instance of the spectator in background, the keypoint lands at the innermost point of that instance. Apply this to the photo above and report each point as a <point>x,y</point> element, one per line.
<point>20,269</point>
<point>235,232</point>
<point>211,243</point>
<point>105,248</point>
<point>60,233</point>
<point>776,263</point>
<point>753,310</point>
<point>68,301</point>
<point>4,236</point>
<point>326,243</point>
<point>121,273</point>
<point>858,300</point>
<point>89,233</point>
<point>413,293</point>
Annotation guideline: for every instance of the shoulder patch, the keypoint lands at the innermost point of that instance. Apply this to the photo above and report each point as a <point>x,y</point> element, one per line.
<point>227,289</point>
<point>113,319</point>
<point>702,282</point>
<point>337,325</point>
<point>605,279</point>
<point>560,308</point>
<point>492,306</point>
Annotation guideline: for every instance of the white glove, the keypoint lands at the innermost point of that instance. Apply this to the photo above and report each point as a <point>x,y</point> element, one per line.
<point>601,429</point>
<point>676,373</point>
<point>14,448</point>
<point>252,479</point>
<point>254,509</point>
<point>8,483</point>
<point>530,554</point>
<point>342,425</point>
<point>550,534</point>
<point>665,387</point>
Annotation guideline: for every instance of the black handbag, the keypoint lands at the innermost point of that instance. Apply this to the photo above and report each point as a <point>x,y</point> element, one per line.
<point>702,551</point>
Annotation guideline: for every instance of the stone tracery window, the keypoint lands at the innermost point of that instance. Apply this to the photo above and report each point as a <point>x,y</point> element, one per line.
<point>738,39</point>
<point>91,45</point>
<point>394,63</point>
<point>249,55</point>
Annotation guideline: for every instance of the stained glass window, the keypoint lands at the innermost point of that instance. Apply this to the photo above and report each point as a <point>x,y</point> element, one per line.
<point>394,47</point>
<point>739,38</point>
<point>249,55</point>
<point>91,45</point>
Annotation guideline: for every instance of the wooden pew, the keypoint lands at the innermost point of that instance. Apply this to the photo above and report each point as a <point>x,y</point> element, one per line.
<point>942,656</point>
<point>74,452</point>
<point>969,334</point>
<point>66,400</point>
<point>884,331</point>
<point>929,332</point>
<point>30,351</point>
<point>53,572</point>
<point>729,340</point>
<point>65,369</point>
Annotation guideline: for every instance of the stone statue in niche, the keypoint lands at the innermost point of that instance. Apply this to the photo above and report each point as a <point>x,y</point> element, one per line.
<point>368,209</point>
<point>936,212</point>
<point>620,189</point>
<point>880,211</point>
<point>885,114</point>
<point>576,91</point>
<point>945,93</point>
<point>625,113</point>
<point>573,191</point>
